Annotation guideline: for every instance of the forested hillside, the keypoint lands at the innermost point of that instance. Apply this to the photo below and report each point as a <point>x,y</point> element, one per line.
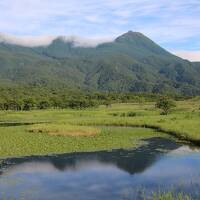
<point>131,63</point>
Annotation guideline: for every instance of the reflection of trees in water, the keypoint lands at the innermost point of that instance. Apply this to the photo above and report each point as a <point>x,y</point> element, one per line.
<point>131,161</point>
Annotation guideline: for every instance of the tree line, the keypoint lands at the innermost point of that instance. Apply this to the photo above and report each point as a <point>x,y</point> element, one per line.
<point>28,98</point>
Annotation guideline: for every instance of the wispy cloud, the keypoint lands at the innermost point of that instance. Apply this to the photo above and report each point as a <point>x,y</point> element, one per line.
<point>189,55</point>
<point>33,41</point>
<point>173,24</point>
<point>29,41</point>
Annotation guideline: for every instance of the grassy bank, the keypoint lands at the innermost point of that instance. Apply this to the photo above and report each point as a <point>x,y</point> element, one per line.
<point>76,130</point>
<point>17,141</point>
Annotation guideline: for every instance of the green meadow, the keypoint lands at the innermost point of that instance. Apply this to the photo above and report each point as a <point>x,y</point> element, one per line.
<point>40,132</point>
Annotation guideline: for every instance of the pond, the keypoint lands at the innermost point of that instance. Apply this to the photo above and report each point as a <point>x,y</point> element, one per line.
<point>159,165</point>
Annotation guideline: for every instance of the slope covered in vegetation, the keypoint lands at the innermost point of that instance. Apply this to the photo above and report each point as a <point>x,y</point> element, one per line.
<point>131,63</point>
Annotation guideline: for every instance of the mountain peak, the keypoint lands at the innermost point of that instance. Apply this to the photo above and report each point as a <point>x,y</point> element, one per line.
<point>132,33</point>
<point>141,43</point>
<point>130,36</point>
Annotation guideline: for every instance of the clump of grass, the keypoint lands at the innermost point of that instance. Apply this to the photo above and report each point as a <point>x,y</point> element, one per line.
<point>131,114</point>
<point>64,130</point>
<point>123,114</point>
<point>170,196</point>
<point>161,120</point>
<point>115,114</point>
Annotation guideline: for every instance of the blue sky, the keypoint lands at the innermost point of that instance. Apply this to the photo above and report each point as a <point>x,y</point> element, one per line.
<point>174,24</point>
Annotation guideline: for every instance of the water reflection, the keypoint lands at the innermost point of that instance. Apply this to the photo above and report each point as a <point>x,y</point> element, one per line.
<point>119,174</point>
<point>131,161</point>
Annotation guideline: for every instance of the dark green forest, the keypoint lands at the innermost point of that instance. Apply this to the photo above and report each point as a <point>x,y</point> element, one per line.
<point>131,63</point>
<point>29,97</point>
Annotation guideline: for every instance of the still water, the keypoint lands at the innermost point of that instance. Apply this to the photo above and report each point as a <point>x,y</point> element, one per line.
<point>160,165</point>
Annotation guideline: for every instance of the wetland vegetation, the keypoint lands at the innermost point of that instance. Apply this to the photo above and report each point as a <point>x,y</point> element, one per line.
<point>68,130</point>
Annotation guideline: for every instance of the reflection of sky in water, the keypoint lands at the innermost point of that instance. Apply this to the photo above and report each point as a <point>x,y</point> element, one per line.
<point>102,175</point>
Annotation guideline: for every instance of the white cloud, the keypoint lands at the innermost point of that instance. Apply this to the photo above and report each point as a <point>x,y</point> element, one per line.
<point>26,40</point>
<point>94,19</point>
<point>86,42</point>
<point>189,55</point>
<point>164,21</point>
<point>31,41</point>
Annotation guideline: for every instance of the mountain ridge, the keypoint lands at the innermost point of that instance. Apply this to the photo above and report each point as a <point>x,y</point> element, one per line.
<point>130,63</point>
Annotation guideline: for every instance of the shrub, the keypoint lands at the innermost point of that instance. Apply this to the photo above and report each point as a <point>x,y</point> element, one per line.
<point>131,114</point>
<point>165,104</point>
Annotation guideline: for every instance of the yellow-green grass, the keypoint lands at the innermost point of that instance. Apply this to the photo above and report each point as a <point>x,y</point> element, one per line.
<point>183,121</point>
<point>61,129</point>
<point>17,141</point>
<point>170,196</point>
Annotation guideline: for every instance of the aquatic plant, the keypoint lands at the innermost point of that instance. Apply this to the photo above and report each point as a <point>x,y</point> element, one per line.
<point>170,196</point>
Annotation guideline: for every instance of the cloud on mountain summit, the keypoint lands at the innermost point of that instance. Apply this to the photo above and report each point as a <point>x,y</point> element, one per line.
<point>172,24</point>
<point>34,41</point>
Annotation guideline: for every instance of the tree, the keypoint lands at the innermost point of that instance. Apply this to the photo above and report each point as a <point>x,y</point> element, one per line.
<point>28,104</point>
<point>43,105</point>
<point>165,104</point>
<point>81,103</point>
<point>14,104</point>
<point>107,104</point>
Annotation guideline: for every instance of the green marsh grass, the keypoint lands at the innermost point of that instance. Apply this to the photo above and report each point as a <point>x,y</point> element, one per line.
<point>17,141</point>
<point>170,196</point>
<point>183,121</point>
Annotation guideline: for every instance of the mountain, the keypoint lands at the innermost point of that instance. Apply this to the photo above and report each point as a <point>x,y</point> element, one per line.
<point>130,63</point>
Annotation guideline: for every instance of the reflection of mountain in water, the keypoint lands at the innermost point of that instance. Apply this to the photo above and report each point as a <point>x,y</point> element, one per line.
<point>131,161</point>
